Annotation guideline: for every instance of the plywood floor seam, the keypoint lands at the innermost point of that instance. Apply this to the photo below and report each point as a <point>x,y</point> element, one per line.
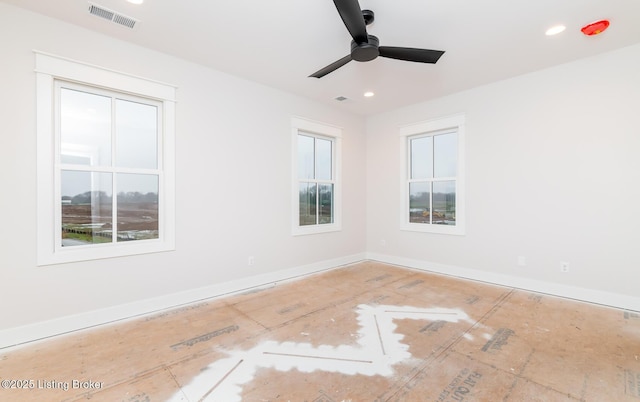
<point>366,332</point>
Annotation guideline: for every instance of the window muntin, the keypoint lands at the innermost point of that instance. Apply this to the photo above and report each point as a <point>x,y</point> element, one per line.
<point>88,155</point>
<point>432,183</point>
<point>316,177</point>
<point>434,176</point>
<point>119,136</point>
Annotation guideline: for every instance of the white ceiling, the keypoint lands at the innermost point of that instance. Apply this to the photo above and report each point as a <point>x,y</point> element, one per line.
<point>280,42</point>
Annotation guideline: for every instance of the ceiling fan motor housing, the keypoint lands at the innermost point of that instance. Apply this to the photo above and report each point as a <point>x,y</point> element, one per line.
<point>366,51</point>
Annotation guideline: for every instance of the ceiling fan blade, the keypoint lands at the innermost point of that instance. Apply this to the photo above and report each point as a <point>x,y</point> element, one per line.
<point>331,67</point>
<point>411,54</point>
<point>351,15</point>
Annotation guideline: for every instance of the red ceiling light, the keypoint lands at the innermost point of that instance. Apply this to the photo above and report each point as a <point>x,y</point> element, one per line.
<point>595,28</point>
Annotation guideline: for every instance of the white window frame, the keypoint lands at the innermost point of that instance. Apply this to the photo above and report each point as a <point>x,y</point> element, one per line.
<point>324,131</point>
<point>429,128</point>
<point>50,70</point>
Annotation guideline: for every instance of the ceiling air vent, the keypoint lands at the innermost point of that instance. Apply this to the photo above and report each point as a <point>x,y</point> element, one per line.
<point>112,16</point>
<point>341,98</point>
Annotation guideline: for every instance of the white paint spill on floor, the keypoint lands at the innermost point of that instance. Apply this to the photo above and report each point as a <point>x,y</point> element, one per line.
<point>379,348</point>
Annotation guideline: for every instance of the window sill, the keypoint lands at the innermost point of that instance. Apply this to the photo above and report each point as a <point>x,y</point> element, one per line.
<point>98,251</point>
<point>314,229</point>
<point>436,229</point>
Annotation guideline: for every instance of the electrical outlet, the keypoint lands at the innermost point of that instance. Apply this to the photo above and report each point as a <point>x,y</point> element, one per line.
<point>250,261</point>
<point>564,266</point>
<point>383,243</point>
<point>522,261</point>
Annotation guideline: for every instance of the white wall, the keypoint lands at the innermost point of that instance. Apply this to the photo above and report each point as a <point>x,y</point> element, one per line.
<point>552,173</point>
<point>233,162</point>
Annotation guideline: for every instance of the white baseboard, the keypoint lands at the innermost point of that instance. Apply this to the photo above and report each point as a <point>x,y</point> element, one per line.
<point>41,330</point>
<point>17,336</point>
<point>569,292</point>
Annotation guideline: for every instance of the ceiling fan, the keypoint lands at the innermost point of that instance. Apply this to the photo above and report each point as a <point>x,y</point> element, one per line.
<point>365,47</point>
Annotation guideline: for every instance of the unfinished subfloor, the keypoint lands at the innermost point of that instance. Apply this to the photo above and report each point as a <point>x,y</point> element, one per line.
<point>366,332</point>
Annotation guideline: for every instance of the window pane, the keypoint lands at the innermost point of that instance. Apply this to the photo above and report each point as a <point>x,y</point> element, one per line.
<point>307,204</point>
<point>323,158</point>
<point>85,128</point>
<point>136,135</point>
<point>444,202</point>
<point>446,155</point>
<point>137,206</point>
<point>326,203</point>
<point>306,160</point>
<point>419,202</point>
<point>421,158</point>
<point>86,208</point>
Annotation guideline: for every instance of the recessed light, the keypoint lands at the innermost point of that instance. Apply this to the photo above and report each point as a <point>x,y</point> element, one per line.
<point>368,94</point>
<point>555,30</point>
<point>136,1</point>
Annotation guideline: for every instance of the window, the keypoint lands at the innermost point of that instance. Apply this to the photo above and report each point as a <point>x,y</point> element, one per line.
<point>316,190</point>
<point>105,170</point>
<point>433,176</point>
